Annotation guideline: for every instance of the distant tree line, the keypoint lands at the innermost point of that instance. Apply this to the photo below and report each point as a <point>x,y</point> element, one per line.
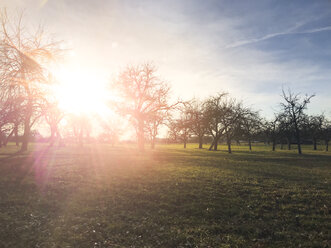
<point>224,119</point>
<point>142,98</point>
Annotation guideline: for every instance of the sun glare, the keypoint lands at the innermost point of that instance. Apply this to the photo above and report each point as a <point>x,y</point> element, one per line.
<point>81,92</point>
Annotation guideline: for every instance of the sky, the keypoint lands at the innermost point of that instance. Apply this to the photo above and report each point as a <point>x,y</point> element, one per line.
<point>251,49</point>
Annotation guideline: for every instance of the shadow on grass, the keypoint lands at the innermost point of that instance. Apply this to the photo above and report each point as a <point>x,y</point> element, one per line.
<point>281,166</point>
<point>170,197</point>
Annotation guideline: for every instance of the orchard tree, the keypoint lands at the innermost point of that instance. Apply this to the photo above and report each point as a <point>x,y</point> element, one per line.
<point>23,59</point>
<point>9,113</point>
<point>154,123</point>
<point>250,126</point>
<point>326,133</point>
<point>313,127</point>
<point>286,130</point>
<point>111,131</point>
<point>173,131</point>
<point>182,128</point>
<point>224,115</point>
<point>231,119</point>
<point>214,110</point>
<point>142,96</point>
<point>271,129</point>
<point>53,116</point>
<point>197,120</point>
<point>293,107</point>
<point>79,127</point>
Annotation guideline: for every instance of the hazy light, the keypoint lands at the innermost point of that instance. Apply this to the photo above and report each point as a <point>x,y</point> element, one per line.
<point>80,91</point>
<point>114,45</point>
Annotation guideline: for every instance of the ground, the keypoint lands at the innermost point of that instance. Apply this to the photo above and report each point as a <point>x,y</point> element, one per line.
<point>103,196</point>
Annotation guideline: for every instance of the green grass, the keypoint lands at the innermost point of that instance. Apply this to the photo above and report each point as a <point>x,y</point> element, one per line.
<point>100,196</point>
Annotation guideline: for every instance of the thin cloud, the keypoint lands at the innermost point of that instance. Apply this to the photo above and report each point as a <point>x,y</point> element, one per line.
<point>270,36</point>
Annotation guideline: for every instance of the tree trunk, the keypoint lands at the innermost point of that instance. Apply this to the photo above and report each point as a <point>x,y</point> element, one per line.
<point>27,129</point>
<point>16,135</point>
<point>211,145</point>
<point>140,135</point>
<point>25,139</point>
<point>288,144</point>
<point>281,145</point>
<point>229,145</point>
<point>27,119</point>
<point>250,144</point>
<point>52,137</point>
<point>326,145</point>
<point>60,143</point>
<point>315,144</point>
<point>215,144</point>
<point>200,142</point>
<point>274,145</point>
<point>297,132</point>
<point>184,143</point>
<point>299,145</point>
<point>8,138</point>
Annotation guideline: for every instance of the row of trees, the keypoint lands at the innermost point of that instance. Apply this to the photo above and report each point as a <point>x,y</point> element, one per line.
<point>145,100</point>
<point>142,97</point>
<point>222,118</point>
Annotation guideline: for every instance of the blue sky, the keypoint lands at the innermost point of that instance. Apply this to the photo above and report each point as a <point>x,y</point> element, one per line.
<point>248,48</point>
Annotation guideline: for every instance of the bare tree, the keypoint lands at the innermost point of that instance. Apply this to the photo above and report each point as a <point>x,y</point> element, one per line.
<point>326,133</point>
<point>53,116</point>
<point>214,110</point>
<point>250,125</point>
<point>12,129</point>
<point>271,130</point>
<point>9,112</point>
<point>232,118</point>
<point>81,127</point>
<point>24,75</point>
<point>224,115</point>
<point>153,124</point>
<point>173,131</point>
<point>111,130</point>
<point>286,130</point>
<point>294,108</point>
<point>142,96</point>
<point>313,127</point>
<point>197,120</point>
<point>181,128</point>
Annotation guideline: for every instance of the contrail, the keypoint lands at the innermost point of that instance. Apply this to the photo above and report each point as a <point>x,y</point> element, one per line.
<point>270,36</point>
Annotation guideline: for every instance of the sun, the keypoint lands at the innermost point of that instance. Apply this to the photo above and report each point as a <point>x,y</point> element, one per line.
<point>79,91</point>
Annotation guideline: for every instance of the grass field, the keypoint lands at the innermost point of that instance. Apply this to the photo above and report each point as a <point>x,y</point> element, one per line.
<point>99,196</point>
